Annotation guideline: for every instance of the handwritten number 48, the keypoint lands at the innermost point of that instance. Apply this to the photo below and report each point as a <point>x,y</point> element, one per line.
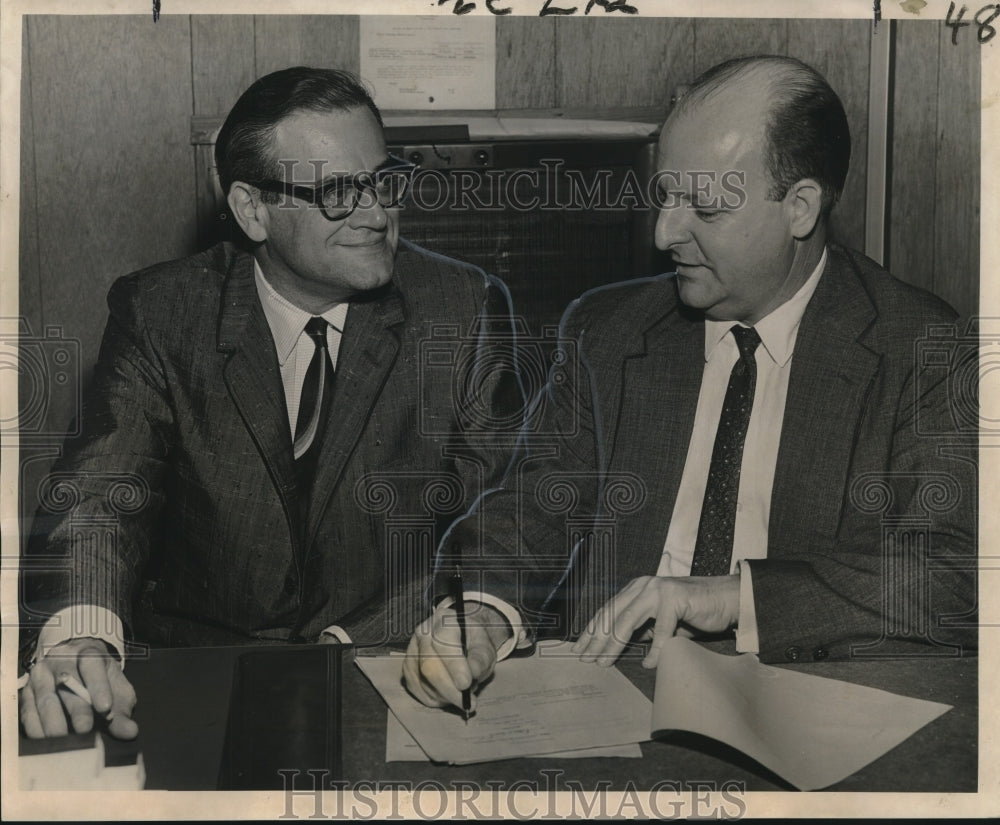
<point>986,32</point>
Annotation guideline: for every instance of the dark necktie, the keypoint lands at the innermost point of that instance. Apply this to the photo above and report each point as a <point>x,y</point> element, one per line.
<point>713,549</point>
<point>314,404</point>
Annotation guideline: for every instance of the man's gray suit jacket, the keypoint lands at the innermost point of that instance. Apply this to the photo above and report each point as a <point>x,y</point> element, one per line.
<point>185,461</point>
<point>871,538</point>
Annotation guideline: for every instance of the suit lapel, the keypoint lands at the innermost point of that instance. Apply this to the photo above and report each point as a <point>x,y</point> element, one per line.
<point>831,379</point>
<point>367,353</point>
<point>659,396</point>
<point>253,378</point>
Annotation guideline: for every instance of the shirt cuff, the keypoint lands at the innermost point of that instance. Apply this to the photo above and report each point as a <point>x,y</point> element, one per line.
<point>338,633</point>
<point>508,611</point>
<point>77,622</point>
<point>746,628</point>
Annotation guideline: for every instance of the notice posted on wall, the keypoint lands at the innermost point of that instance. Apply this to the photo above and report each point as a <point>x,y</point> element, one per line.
<point>430,62</point>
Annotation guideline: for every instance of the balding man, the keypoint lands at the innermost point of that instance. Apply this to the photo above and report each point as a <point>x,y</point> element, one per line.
<point>765,410</point>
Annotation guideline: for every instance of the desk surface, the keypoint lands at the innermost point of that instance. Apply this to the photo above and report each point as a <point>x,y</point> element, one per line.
<point>184,698</point>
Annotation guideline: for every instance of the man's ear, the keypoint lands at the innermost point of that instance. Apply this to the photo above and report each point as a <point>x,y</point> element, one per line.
<point>250,213</point>
<point>804,200</point>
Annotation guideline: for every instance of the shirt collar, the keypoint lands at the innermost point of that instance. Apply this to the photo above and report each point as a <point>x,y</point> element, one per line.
<point>778,329</point>
<point>285,319</point>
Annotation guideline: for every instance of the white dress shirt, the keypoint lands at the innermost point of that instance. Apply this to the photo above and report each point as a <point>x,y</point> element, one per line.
<point>778,331</point>
<point>291,343</point>
<point>295,350</point>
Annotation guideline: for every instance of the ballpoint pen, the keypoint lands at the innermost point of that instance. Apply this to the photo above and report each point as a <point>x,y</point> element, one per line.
<point>458,595</point>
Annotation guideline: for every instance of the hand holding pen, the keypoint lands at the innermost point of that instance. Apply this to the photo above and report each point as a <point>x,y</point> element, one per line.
<point>432,670</point>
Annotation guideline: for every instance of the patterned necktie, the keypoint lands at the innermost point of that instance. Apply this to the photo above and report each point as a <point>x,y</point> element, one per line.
<point>314,403</point>
<point>713,548</point>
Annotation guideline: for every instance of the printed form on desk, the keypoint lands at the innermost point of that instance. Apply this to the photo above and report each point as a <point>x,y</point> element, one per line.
<point>401,747</point>
<point>812,731</point>
<point>548,703</point>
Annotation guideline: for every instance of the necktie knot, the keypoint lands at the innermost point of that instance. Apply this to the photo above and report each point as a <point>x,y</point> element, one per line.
<point>747,340</point>
<point>316,329</point>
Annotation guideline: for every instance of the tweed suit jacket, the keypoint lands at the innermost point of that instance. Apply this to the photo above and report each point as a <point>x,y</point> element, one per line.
<point>186,450</point>
<point>871,537</point>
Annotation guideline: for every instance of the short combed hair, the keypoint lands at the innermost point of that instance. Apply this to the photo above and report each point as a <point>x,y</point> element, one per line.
<point>806,131</point>
<point>243,146</point>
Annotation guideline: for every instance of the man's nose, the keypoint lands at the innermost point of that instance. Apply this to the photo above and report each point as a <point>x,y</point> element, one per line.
<point>671,226</point>
<point>369,213</point>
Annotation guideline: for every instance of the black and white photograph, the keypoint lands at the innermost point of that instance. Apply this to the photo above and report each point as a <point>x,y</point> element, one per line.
<point>511,409</point>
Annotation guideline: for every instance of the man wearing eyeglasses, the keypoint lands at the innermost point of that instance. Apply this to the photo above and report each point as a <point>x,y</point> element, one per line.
<point>264,413</point>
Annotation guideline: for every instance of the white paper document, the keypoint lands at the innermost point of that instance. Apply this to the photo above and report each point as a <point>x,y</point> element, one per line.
<point>429,62</point>
<point>401,747</point>
<point>78,768</point>
<point>538,705</point>
<point>809,730</point>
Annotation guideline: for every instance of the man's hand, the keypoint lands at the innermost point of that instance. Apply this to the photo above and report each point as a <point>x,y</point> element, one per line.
<point>435,671</point>
<point>707,603</point>
<point>44,703</point>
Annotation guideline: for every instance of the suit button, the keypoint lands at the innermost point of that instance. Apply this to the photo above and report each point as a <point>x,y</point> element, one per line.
<point>793,653</point>
<point>821,653</point>
<point>289,585</point>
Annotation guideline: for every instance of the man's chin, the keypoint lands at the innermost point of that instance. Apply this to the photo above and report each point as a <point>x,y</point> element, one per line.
<point>373,264</point>
<point>374,281</point>
<point>693,293</point>
<point>375,278</point>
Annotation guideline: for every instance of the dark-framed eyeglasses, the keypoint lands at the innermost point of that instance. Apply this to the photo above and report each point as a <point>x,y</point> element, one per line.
<point>338,198</point>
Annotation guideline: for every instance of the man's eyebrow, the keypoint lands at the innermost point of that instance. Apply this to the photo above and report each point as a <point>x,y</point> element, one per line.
<point>347,177</point>
<point>694,198</point>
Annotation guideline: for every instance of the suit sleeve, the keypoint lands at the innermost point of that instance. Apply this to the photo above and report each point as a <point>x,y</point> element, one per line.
<point>99,505</point>
<point>514,543</point>
<point>475,409</point>
<point>900,577</point>
<point>491,401</point>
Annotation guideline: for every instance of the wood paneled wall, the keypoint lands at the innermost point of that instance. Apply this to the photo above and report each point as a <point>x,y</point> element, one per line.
<point>109,178</point>
<point>106,164</point>
<point>107,184</point>
<point>935,187</point>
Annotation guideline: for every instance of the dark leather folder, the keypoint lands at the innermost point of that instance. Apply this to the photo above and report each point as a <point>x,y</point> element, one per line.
<point>284,720</point>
